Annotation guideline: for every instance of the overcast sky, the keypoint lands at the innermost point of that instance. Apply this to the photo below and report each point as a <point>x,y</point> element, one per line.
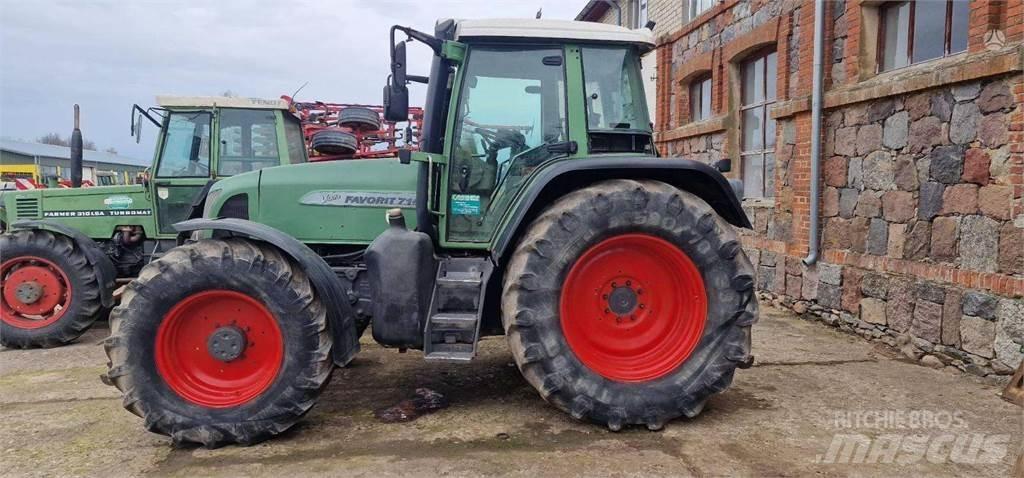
<point>107,55</point>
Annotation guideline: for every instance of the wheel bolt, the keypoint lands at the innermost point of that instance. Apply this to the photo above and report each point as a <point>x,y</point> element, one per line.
<point>629,282</point>
<point>605,296</point>
<point>641,306</point>
<point>606,311</point>
<point>614,284</point>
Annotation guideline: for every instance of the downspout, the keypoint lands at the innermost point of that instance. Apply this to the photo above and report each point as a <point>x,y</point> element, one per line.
<point>816,107</point>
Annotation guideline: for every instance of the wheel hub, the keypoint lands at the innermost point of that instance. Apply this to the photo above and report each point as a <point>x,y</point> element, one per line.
<point>622,301</point>
<point>219,348</point>
<point>28,292</point>
<point>226,343</point>
<point>633,307</point>
<point>34,292</point>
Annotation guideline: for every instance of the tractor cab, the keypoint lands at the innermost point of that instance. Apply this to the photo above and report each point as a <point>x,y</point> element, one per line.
<point>506,97</point>
<point>203,139</point>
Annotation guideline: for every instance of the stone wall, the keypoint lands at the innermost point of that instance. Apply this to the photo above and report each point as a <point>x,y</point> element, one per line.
<point>920,180</point>
<point>922,205</point>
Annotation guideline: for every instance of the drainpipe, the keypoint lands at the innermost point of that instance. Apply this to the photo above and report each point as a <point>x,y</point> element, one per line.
<point>816,107</point>
<point>618,10</point>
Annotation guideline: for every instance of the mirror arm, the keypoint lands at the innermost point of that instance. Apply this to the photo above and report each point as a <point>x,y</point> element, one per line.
<point>138,108</point>
<point>418,79</point>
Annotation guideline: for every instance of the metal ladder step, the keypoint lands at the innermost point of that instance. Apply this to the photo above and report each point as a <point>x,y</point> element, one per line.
<point>453,327</point>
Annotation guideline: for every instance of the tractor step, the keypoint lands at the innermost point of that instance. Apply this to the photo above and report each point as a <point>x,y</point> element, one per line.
<point>453,328</point>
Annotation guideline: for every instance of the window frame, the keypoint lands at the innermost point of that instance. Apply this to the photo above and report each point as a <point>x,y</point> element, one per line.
<point>697,107</point>
<point>909,31</point>
<point>765,105</point>
<point>694,12</point>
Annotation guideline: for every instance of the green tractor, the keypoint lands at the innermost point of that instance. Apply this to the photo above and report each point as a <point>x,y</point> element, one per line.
<point>542,212</point>
<point>65,249</point>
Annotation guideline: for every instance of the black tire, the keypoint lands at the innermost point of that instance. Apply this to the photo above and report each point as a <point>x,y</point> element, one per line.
<point>256,270</point>
<point>555,241</point>
<point>359,119</point>
<point>332,141</point>
<point>85,304</point>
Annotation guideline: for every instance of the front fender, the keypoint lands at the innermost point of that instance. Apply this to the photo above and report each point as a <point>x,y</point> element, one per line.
<point>340,317</point>
<point>106,273</point>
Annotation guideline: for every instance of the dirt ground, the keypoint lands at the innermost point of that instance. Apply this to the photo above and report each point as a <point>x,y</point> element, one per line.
<point>812,390</point>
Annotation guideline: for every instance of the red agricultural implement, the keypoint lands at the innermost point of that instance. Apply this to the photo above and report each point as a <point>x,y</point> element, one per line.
<point>353,131</point>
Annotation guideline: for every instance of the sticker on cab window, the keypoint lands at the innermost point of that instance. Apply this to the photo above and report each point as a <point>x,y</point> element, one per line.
<point>466,204</point>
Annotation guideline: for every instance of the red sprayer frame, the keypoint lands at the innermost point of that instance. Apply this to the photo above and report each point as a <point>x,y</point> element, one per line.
<point>383,143</point>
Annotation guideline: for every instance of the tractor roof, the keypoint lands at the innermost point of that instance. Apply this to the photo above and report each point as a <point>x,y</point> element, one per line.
<point>554,29</point>
<point>219,101</point>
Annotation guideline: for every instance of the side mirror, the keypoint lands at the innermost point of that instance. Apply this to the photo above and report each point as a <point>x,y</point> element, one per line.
<point>723,165</point>
<point>396,93</point>
<point>137,129</point>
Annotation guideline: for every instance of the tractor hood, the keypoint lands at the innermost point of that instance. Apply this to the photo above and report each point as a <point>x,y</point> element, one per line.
<point>334,201</point>
<point>77,206</point>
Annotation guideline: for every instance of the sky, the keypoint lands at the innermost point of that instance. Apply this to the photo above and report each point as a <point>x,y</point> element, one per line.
<point>108,55</point>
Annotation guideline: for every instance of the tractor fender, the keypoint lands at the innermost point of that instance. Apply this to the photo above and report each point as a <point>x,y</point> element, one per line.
<point>106,273</point>
<point>561,177</point>
<point>340,317</point>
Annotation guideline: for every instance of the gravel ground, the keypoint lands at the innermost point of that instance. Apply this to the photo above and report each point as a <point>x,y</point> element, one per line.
<point>811,389</point>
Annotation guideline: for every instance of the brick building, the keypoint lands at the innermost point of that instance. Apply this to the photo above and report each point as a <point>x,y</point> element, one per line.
<point>922,176</point>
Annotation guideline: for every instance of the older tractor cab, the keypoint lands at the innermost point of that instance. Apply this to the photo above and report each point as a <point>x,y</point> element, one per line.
<point>63,249</point>
<point>537,208</point>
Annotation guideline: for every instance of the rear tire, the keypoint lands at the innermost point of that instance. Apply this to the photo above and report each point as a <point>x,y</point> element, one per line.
<point>284,358</point>
<point>589,355</point>
<point>55,270</point>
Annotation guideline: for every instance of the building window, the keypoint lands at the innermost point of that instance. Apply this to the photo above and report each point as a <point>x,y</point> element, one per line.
<point>699,6</point>
<point>700,98</point>
<point>908,34</point>
<point>757,128</point>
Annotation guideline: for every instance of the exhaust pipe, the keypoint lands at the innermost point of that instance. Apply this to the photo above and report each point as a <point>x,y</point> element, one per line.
<point>76,153</point>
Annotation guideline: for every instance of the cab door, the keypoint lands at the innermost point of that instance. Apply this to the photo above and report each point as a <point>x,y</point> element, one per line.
<point>183,168</point>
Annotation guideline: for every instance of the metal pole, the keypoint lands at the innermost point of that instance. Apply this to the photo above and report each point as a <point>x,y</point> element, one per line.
<point>816,107</point>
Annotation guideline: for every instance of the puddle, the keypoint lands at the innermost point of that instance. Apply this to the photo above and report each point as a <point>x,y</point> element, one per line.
<point>424,401</point>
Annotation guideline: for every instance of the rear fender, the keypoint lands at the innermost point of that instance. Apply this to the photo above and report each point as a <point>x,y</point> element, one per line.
<point>340,317</point>
<point>106,274</point>
<point>559,178</point>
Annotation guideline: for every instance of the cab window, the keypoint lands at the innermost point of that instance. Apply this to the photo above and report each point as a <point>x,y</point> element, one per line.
<point>248,141</point>
<point>186,146</point>
<point>296,142</point>
<point>615,97</point>
<point>512,105</point>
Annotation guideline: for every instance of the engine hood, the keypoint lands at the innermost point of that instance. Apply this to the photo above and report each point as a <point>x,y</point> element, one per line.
<point>336,201</point>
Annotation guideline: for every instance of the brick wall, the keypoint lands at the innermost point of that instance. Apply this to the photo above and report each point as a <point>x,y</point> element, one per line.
<point>923,173</point>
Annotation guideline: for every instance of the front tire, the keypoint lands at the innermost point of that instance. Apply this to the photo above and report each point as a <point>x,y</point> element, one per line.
<point>50,293</point>
<point>629,302</point>
<point>219,342</point>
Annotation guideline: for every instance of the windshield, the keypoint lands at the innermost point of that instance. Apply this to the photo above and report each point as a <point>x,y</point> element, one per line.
<point>186,146</point>
<point>614,93</point>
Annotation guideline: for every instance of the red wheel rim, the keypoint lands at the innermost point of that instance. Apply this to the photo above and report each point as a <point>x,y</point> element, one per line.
<point>633,308</point>
<point>36,292</point>
<point>186,363</point>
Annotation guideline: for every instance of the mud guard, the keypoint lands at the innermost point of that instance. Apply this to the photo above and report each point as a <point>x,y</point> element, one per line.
<point>564,176</point>
<point>340,317</point>
<point>106,273</point>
